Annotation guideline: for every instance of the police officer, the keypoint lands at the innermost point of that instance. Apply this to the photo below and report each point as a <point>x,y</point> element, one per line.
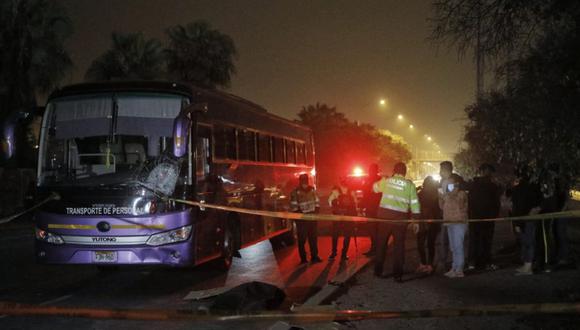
<point>303,199</point>
<point>399,198</point>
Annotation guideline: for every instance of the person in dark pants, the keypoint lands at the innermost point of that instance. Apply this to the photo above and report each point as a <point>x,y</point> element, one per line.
<point>526,200</point>
<point>552,249</point>
<point>399,198</point>
<point>370,203</point>
<point>303,199</point>
<point>427,232</point>
<point>343,202</point>
<point>484,203</point>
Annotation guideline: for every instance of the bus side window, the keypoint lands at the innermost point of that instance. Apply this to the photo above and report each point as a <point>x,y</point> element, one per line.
<point>300,153</point>
<point>290,152</point>
<point>203,153</point>
<point>264,148</point>
<point>279,150</point>
<point>225,142</point>
<point>246,145</point>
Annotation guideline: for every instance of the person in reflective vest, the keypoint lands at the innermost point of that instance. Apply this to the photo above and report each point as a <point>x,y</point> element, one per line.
<point>398,201</point>
<point>303,199</point>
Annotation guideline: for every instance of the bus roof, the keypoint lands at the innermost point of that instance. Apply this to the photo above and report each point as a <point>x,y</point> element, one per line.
<point>223,106</point>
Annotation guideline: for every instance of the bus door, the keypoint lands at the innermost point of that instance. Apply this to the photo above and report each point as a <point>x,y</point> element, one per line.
<point>208,185</point>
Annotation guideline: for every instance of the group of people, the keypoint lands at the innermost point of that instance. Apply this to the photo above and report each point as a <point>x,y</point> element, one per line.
<point>452,200</point>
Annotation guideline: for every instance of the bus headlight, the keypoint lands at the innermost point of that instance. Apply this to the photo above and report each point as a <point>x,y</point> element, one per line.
<point>43,235</point>
<point>172,236</point>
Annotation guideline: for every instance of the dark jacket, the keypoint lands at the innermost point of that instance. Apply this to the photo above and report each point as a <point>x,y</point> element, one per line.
<point>484,198</point>
<point>525,196</point>
<point>555,192</point>
<point>343,203</point>
<point>370,199</point>
<point>429,200</point>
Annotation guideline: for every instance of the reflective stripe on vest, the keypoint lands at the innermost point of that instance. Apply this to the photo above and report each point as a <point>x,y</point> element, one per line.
<point>399,194</point>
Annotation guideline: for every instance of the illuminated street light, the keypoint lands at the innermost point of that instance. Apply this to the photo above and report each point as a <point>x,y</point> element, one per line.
<point>429,138</point>
<point>383,103</point>
<point>400,117</point>
<point>411,126</point>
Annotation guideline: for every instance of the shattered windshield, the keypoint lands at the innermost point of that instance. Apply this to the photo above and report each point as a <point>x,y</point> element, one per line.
<point>104,138</point>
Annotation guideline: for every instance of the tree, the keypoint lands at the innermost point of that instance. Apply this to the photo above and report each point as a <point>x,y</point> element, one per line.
<point>533,118</point>
<point>535,121</point>
<point>131,57</point>
<point>502,26</point>
<point>200,55</point>
<point>33,58</point>
<point>342,144</point>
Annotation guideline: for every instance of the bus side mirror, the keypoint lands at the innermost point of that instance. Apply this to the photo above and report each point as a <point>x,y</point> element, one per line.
<point>181,126</point>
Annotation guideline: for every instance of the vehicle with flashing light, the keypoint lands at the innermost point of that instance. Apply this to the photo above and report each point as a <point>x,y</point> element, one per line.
<point>122,154</point>
<point>355,181</point>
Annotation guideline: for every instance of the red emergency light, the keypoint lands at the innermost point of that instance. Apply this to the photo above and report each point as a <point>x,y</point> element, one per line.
<point>357,171</point>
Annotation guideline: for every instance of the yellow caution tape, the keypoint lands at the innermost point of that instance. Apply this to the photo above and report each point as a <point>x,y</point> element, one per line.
<point>14,309</point>
<point>334,217</point>
<point>52,197</point>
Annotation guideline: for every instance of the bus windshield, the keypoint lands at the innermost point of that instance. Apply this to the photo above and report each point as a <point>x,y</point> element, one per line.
<point>104,138</point>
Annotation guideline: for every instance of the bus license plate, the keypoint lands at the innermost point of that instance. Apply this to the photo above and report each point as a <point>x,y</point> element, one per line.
<point>105,256</point>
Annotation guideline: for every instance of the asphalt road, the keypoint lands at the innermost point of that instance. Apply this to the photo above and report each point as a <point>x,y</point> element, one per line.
<point>420,292</point>
<point>24,281</point>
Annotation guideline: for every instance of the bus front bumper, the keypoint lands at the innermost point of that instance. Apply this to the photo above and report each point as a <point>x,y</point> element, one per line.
<point>177,254</point>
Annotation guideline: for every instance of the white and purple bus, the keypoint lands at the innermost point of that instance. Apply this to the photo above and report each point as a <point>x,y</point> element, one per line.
<point>119,153</point>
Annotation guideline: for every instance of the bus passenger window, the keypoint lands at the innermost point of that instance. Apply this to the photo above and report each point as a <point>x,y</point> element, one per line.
<point>300,153</point>
<point>247,145</point>
<point>225,142</point>
<point>219,142</point>
<point>264,149</point>
<point>278,150</point>
<point>290,152</point>
<point>202,161</point>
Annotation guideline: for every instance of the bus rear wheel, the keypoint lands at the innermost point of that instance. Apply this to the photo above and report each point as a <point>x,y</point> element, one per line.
<point>224,263</point>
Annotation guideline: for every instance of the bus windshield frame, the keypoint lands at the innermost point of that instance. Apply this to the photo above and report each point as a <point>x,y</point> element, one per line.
<point>104,138</point>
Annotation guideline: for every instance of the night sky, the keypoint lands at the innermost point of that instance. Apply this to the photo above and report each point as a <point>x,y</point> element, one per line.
<point>348,54</point>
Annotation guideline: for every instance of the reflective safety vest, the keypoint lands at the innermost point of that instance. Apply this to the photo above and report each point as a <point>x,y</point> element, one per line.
<point>399,194</point>
<point>304,200</point>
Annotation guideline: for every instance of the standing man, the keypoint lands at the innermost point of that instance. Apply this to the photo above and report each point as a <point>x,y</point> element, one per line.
<point>527,200</point>
<point>370,202</point>
<point>342,200</point>
<point>552,232</point>
<point>303,199</point>
<point>484,203</point>
<point>445,171</point>
<point>399,199</point>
